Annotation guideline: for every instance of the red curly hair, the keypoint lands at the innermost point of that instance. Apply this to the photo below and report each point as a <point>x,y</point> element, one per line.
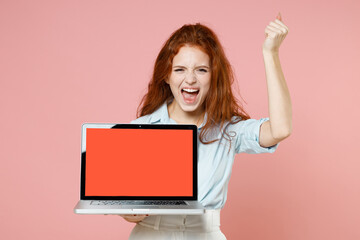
<point>220,103</point>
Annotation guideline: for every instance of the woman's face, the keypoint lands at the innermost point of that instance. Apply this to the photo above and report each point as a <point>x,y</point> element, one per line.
<point>190,79</point>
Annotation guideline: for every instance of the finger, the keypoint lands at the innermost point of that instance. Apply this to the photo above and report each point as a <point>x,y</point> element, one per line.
<point>275,30</point>
<point>278,26</point>
<point>133,215</point>
<point>269,33</point>
<point>135,218</point>
<point>282,24</point>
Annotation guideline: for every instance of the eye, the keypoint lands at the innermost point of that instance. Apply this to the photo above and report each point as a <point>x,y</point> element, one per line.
<point>179,70</point>
<point>202,70</point>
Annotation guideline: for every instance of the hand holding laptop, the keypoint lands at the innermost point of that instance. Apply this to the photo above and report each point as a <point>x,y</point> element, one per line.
<point>134,218</point>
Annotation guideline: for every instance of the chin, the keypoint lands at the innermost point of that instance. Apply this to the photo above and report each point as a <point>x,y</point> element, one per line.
<point>190,108</point>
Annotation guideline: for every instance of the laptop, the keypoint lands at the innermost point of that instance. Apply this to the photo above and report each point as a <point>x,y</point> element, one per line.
<point>139,169</point>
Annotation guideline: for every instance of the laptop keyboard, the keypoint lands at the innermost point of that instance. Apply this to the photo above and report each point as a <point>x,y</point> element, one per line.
<point>138,202</point>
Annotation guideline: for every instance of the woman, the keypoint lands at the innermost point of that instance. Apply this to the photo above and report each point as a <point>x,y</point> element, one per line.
<point>191,84</point>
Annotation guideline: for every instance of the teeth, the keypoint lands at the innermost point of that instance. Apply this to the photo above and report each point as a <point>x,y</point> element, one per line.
<point>190,90</point>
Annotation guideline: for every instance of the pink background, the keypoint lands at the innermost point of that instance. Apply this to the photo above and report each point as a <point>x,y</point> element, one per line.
<point>63,63</point>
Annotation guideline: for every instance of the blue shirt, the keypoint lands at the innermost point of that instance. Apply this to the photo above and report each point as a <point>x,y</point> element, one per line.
<point>215,160</point>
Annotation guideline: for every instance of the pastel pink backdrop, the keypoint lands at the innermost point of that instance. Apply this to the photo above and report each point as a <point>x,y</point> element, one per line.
<point>63,63</point>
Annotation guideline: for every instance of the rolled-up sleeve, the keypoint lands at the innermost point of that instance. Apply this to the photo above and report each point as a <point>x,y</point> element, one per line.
<point>247,137</point>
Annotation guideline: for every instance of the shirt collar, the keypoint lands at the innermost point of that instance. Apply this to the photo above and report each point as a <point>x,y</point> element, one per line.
<point>162,115</point>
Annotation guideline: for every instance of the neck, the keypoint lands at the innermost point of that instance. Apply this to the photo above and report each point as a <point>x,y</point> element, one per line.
<point>182,117</point>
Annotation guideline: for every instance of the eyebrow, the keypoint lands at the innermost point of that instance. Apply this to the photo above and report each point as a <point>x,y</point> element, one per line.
<point>201,66</point>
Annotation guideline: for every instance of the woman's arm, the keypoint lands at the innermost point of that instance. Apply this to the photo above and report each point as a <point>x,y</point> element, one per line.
<point>279,126</point>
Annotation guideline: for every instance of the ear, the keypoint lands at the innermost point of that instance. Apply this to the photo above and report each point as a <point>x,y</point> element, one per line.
<point>167,80</point>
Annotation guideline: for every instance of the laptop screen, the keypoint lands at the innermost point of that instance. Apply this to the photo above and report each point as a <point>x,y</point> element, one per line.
<point>138,163</point>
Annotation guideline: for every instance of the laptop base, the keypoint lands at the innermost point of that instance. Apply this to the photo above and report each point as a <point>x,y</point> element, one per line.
<point>193,208</point>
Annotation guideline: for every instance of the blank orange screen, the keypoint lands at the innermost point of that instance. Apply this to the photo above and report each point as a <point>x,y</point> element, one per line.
<point>139,162</point>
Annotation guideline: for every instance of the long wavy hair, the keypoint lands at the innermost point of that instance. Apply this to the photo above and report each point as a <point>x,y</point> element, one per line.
<point>220,104</point>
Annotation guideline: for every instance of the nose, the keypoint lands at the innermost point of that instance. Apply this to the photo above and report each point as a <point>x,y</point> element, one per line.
<point>190,78</point>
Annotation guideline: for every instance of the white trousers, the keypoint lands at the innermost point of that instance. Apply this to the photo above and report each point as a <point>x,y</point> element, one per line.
<point>180,227</point>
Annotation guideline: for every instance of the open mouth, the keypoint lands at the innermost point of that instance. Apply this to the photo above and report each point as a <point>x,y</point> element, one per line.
<point>190,94</point>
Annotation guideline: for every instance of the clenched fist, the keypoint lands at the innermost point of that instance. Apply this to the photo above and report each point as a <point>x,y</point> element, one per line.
<point>275,33</point>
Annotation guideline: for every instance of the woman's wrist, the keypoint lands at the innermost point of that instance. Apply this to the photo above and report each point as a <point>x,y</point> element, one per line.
<point>270,52</point>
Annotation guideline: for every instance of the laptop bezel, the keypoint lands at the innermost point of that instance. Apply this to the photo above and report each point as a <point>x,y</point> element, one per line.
<point>86,126</point>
